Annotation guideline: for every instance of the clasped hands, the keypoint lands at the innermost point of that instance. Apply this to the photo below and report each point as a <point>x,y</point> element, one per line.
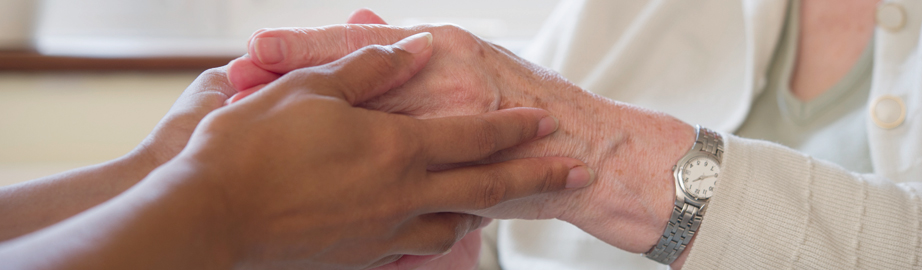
<point>433,120</point>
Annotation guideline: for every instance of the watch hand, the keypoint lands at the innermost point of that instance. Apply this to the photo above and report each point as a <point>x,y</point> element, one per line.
<point>698,179</point>
<point>703,177</point>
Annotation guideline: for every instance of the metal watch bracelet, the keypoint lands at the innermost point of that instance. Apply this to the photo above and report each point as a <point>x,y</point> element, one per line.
<point>687,212</point>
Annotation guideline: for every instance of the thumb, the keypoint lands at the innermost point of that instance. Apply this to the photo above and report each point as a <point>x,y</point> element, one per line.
<point>370,71</point>
<point>365,16</point>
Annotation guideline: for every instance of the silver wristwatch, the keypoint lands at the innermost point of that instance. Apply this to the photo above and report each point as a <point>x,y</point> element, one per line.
<point>695,179</point>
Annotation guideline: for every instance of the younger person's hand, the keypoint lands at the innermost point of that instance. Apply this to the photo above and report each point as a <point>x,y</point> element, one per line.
<point>309,180</point>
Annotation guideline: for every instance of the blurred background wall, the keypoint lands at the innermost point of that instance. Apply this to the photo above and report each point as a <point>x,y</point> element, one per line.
<point>16,23</point>
<point>84,81</point>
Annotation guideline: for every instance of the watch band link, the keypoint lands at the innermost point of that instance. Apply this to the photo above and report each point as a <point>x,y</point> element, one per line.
<point>681,228</point>
<point>711,142</point>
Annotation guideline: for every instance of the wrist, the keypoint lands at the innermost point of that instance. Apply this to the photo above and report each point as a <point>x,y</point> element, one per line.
<point>665,141</point>
<point>149,154</point>
<point>695,178</point>
<point>641,168</point>
<point>633,151</point>
<point>202,209</point>
<point>162,223</point>
<point>139,163</point>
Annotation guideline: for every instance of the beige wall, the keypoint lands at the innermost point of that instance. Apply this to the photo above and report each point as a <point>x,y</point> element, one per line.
<point>52,122</point>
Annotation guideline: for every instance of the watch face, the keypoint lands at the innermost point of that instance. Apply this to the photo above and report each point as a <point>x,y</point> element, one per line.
<point>699,177</point>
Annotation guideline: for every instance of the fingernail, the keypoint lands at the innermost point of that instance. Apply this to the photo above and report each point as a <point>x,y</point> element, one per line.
<point>580,176</point>
<point>445,253</point>
<point>269,50</point>
<point>547,126</point>
<point>416,43</point>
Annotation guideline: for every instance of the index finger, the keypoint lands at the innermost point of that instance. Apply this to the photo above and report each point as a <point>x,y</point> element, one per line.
<point>470,138</point>
<point>480,187</point>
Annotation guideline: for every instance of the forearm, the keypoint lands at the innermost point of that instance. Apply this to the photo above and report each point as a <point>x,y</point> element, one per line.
<point>36,204</point>
<point>165,222</point>
<point>777,208</point>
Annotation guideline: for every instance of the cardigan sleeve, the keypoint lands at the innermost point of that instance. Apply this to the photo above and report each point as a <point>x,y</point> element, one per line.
<point>776,208</point>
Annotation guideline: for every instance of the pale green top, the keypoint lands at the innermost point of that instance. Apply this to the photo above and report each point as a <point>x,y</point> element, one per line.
<point>830,127</point>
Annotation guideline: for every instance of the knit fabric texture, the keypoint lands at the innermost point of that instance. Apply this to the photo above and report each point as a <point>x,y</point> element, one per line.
<point>776,208</point>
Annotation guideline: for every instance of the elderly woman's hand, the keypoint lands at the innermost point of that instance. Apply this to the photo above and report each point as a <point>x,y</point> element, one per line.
<point>631,149</point>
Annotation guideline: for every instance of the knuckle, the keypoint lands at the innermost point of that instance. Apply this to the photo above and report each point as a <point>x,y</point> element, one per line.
<point>382,58</point>
<point>379,54</point>
<point>493,190</point>
<point>351,36</point>
<point>411,146</point>
<point>220,122</point>
<point>213,121</point>
<point>448,230</point>
<point>398,145</point>
<point>392,157</point>
<point>379,62</point>
<point>304,78</point>
<point>239,63</point>
<point>476,223</point>
<point>452,29</point>
<point>445,243</point>
<point>527,127</point>
<point>213,74</point>
<point>459,36</point>
<point>485,140</point>
<point>213,80</point>
<point>322,49</point>
<point>472,223</point>
<point>356,35</point>
<point>549,179</point>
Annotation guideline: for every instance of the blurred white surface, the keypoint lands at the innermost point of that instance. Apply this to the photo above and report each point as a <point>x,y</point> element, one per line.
<point>118,28</point>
